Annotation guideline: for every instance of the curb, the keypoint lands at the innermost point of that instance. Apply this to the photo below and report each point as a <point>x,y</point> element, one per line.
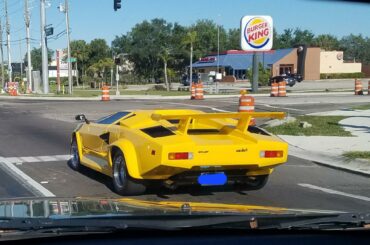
<point>361,167</point>
<point>151,97</point>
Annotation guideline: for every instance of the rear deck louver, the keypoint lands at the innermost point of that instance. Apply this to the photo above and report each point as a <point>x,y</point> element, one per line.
<point>157,131</point>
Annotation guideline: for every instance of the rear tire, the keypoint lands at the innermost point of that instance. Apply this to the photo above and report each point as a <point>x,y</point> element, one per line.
<point>122,182</point>
<point>74,162</point>
<point>252,183</point>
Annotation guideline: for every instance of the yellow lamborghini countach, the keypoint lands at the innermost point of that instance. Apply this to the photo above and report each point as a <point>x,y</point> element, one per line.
<point>138,149</point>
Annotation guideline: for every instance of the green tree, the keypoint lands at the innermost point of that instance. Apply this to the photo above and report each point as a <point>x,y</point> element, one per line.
<point>144,45</point>
<point>233,39</point>
<point>37,58</point>
<point>263,74</point>
<point>190,39</point>
<point>284,40</point>
<point>354,47</point>
<point>327,42</point>
<point>81,51</point>
<point>98,50</point>
<point>303,37</point>
<point>206,42</point>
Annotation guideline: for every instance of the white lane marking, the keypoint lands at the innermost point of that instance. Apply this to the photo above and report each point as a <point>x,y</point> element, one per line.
<point>31,159</point>
<point>277,107</point>
<point>334,192</point>
<point>14,159</point>
<point>26,179</point>
<point>198,106</point>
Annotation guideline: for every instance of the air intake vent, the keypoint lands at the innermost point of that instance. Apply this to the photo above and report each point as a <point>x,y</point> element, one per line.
<point>158,131</point>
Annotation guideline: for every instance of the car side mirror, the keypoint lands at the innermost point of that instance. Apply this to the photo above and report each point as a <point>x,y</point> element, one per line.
<point>82,118</point>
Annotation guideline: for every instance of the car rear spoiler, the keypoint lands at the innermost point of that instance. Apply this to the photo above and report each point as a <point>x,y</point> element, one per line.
<point>243,118</point>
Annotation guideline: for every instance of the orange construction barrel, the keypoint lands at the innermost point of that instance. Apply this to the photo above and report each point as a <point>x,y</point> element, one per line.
<point>246,104</point>
<point>274,90</point>
<point>192,91</point>
<point>199,93</point>
<point>105,93</point>
<point>358,87</point>
<point>282,89</point>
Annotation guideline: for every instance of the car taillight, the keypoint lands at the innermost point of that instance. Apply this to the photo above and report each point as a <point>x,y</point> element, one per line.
<point>180,155</point>
<point>271,154</point>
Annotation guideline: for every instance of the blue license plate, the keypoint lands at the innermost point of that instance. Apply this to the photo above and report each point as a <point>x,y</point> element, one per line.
<point>212,179</point>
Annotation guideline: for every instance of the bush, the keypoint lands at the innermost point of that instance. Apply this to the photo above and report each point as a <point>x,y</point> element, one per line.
<point>342,75</point>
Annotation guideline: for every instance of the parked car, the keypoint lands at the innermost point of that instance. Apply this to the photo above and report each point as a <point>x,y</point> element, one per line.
<point>186,81</point>
<point>290,79</point>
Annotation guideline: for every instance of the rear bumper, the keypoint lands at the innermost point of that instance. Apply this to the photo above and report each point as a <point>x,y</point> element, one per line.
<point>190,178</point>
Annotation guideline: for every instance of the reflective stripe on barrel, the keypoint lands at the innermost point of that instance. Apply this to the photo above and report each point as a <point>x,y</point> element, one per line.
<point>358,87</point>
<point>105,94</point>
<point>282,89</point>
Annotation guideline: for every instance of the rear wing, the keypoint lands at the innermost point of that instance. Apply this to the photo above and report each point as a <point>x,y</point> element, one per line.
<point>243,118</point>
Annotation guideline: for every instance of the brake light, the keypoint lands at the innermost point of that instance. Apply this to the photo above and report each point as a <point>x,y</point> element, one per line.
<point>180,155</point>
<point>271,154</point>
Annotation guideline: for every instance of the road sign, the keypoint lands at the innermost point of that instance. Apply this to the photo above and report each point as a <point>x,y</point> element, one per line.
<point>72,60</point>
<point>49,31</point>
<point>256,33</point>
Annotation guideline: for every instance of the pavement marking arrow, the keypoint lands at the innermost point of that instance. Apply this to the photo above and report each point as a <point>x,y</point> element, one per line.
<point>334,192</point>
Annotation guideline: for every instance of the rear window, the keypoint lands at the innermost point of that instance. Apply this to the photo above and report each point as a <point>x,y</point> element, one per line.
<point>157,131</point>
<point>112,118</point>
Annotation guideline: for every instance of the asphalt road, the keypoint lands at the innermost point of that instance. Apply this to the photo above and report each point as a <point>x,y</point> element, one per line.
<point>35,139</point>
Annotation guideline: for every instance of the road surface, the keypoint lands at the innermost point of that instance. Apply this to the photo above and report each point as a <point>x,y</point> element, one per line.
<point>35,138</point>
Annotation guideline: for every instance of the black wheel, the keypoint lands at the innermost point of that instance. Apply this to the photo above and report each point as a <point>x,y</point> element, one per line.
<point>252,183</point>
<point>74,162</point>
<point>122,182</point>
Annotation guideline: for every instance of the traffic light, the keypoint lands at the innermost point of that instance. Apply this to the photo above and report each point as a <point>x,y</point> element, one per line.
<point>116,4</point>
<point>117,61</point>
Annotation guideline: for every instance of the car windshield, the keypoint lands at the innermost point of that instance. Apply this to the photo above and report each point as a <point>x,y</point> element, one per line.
<point>249,103</point>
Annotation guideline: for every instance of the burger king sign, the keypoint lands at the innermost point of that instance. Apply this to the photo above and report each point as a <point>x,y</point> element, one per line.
<point>256,33</point>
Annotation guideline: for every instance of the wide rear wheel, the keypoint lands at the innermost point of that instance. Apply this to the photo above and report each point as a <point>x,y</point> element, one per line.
<point>122,182</point>
<point>74,162</point>
<point>252,183</point>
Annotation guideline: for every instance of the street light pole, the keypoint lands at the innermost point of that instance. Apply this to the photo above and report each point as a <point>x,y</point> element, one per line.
<point>2,59</point>
<point>117,80</point>
<point>8,42</point>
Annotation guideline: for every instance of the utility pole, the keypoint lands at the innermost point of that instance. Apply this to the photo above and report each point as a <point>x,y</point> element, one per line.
<point>44,49</point>
<point>29,64</point>
<point>66,11</point>
<point>2,58</point>
<point>8,42</point>
<point>21,61</point>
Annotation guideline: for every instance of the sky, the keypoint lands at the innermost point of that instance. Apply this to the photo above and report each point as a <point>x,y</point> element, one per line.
<point>91,19</point>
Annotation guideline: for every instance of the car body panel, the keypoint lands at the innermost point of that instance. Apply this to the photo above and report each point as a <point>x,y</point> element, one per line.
<point>217,141</point>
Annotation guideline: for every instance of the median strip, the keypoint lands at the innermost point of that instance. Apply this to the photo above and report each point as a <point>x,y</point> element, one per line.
<point>318,126</point>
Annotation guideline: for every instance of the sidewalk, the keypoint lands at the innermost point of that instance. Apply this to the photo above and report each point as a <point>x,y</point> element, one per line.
<point>154,97</point>
<point>328,150</point>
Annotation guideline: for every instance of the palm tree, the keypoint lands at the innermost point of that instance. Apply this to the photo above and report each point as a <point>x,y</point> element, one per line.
<point>189,39</point>
<point>165,56</point>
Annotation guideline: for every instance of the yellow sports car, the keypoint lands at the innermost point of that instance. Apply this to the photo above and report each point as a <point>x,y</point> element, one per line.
<point>142,148</point>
